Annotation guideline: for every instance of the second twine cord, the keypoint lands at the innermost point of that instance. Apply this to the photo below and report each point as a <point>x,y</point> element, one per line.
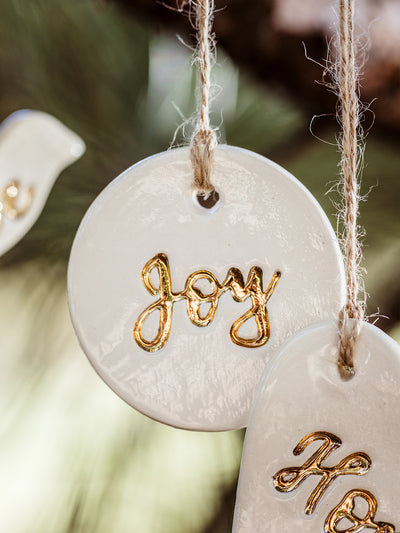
<point>204,142</point>
<point>352,314</point>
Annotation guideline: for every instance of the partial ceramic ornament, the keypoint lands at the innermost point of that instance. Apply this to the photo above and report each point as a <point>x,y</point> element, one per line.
<point>34,148</point>
<point>149,268</point>
<point>322,454</point>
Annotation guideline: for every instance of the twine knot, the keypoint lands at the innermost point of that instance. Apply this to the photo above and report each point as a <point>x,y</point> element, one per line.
<point>352,314</point>
<point>204,140</point>
<point>349,331</point>
<point>202,149</point>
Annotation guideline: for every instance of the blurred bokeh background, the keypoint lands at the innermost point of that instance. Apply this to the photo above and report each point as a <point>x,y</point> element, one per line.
<point>73,457</point>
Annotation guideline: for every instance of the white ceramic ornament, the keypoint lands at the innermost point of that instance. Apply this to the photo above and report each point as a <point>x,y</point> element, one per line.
<point>147,228</point>
<point>34,148</point>
<point>322,454</point>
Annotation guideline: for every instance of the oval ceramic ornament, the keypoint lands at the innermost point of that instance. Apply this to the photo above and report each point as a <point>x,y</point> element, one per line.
<point>34,148</point>
<point>177,306</point>
<point>322,454</point>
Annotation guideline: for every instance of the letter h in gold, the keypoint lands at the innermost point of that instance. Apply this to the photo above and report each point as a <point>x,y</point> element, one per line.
<point>289,479</point>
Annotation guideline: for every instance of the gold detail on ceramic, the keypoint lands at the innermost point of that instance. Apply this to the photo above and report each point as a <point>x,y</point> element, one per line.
<point>195,298</point>
<point>9,197</point>
<point>346,511</point>
<point>289,479</point>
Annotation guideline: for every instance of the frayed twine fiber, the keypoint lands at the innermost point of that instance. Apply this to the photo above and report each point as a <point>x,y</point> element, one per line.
<point>352,314</point>
<point>204,139</point>
<point>202,154</point>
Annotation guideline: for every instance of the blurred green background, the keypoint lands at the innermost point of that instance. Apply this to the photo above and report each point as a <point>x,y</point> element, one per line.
<point>73,457</point>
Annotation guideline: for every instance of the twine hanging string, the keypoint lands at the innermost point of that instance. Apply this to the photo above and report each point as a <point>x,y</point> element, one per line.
<point>204,139</point>
<point>349,330</point>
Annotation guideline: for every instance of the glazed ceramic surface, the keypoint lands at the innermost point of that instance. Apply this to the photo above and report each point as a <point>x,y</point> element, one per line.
<point>301,393</point>
<point>34,148</point>
<point>199,379</point>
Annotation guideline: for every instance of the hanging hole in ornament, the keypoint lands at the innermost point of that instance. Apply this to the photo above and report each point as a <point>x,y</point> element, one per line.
<point>207,203</point>
<point>346,372</point>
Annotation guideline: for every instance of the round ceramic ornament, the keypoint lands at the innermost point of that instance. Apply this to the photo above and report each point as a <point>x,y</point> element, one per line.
<point>34,148</point>
<point>179,306</point>
<point>322,454</point>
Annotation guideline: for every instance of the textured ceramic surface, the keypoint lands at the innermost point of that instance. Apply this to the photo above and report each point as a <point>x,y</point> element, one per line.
<point>34,148</point>
<point>301,393</point>
<point>199,379</point>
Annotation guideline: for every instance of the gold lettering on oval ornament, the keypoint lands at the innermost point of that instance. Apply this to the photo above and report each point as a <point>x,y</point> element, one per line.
<point>8,201</point>
<point>359,463</point>
<point>195,298</point>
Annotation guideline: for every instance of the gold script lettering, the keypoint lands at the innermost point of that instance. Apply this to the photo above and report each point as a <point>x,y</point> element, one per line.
<point>195,298</point>
<point>345,510</point>
<point>288,479</point>
<point>8,201</point>
<point>254,289</point>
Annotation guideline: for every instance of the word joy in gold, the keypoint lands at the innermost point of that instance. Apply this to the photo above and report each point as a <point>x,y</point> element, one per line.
<point>8,201</point>
<point>289,479</point>
<point>195,298</point>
